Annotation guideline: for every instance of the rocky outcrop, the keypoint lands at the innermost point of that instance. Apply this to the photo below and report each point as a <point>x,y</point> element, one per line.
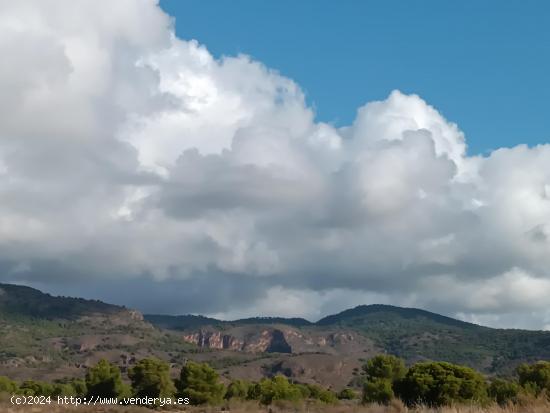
<point>268,340</point>
<point>135,315</point>
<point>280,339</point>
<point>214,340</point>
<point>278,343</point>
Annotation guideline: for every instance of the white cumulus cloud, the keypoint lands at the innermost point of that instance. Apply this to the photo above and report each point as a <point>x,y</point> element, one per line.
<point>128,155</point>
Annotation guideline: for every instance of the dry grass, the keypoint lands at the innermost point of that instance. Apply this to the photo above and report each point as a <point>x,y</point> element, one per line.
<point>533,406</point>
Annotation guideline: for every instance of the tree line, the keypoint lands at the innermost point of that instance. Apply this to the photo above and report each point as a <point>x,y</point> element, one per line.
<point>440,383</point>
<point>384,378</point>
<point>150,378</point>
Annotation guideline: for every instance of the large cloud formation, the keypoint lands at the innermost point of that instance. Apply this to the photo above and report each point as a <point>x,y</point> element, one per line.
<point>137,167</point>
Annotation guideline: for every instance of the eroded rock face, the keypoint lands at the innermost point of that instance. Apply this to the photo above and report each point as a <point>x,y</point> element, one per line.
<point>278,343</point>
<point>263,339</point>
<point>268,340</point>
<point>135,315</point>
<point>214,340</point>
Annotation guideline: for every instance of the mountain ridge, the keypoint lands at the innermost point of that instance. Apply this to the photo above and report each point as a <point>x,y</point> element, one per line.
<point>28,301</point>
<point>360,310</point>
<point>42,336</point>
<point>196,319</point>
<point>407,312</point>
<point>48,337</point>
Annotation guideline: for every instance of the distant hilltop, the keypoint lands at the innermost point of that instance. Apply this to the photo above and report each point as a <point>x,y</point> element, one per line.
<point>42,336</point>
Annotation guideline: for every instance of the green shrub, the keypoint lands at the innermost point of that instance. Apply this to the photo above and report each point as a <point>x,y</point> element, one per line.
<point>328,396</point>
<point>79,387</point>
<point>63,389</point>
<point>200,383</point>
<point>104,380</point>
<point>504,391</point>
<point>378,391</point>
<point>347,394</point>
<point>441,383</point>
<point>535,378</point>
<point>254,392</point>
<point>314,391</point>
<point>36,388</point>
<point>7,385</point>
<point>381,372</point>
<point>237,389</point>
<point>151,378</point>
<point>278,388</point>
<point>385,366</point>
<point>304,389</point>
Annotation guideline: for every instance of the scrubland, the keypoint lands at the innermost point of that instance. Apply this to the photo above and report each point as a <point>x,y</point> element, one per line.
<point>541,405</point>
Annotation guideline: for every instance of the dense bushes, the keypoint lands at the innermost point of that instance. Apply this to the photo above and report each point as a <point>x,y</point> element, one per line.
<point>347,394</point>
<point>312,391</point>
<point>381,373</point>
<point>39,388</point>
<point>237,389</point>
<point>535,378</point>
<point>105,380</point>
<point>150,377</point>
<point>440,383</point>
<point>278,388</point>
<point>7,385</point>
<point>504,391</point>
<point>32,388</point>
<point>200,383</point>
<point>385,367</point>
<point>378,391</point>
<point>384,378</point>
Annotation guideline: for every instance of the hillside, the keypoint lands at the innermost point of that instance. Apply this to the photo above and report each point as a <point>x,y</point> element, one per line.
<point>185,322</point>
<point>42,336</point>
<point>410,333</point>
<point>417,334</point>
<point>46,337</point>
<point>22,301</point>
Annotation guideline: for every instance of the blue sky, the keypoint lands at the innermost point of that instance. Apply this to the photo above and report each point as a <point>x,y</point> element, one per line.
<point>483,64</point>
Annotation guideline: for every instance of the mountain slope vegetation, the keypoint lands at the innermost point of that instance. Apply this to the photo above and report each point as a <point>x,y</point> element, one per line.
<point>42,336</point>
<point>410,333</point>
